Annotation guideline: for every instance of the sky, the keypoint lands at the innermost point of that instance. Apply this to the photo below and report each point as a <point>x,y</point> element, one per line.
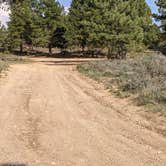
<point>65,3</point>
<point>4,16</point>
<point>151,3</point>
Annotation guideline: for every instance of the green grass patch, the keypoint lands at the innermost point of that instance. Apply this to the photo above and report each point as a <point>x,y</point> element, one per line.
<point>143,77</point>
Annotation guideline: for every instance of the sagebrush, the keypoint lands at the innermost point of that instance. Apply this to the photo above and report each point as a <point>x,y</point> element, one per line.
<point>144,76</point>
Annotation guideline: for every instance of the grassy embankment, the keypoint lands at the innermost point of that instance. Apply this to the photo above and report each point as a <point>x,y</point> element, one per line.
<point>143,78</point>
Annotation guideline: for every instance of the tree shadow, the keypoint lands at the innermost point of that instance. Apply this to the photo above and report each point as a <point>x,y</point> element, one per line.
<point>12,164</point>
<point>66,62</point>
<point>64,54</point>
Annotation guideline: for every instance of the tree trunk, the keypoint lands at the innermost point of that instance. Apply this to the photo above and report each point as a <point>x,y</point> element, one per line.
<point>50,49</point>
<point>21,48</point>
<point>109,53</point>
<point>32,48</point>
<point>83,47</point>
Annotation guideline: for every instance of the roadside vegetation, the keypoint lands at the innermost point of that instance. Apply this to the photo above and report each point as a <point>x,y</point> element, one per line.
<point>3,66</point>
<point>143,78</point>
<point>7,59</point>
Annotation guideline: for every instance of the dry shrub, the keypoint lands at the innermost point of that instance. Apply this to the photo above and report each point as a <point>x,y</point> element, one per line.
<point>144,76</point>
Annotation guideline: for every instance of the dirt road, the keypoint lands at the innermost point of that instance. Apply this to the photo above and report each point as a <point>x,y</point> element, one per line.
<point>51,116</point>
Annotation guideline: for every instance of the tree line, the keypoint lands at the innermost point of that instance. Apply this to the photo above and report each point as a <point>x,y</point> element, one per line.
<point>118,26</point>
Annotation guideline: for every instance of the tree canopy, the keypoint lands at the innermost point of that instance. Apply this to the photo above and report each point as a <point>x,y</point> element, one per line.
<point>162,18</point>
<point>118,26</point>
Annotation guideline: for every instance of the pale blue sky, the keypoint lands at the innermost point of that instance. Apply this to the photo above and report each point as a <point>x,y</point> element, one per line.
<point>65,3</point>
<point>151,3</point>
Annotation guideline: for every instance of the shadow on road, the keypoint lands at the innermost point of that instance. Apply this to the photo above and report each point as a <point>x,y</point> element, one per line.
<point>12,164</point>
<point>67,54</point>
<point>65,62</point>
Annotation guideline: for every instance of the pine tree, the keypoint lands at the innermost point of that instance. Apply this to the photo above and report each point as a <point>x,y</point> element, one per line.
<point>35,29</point>
<point>59,39</point>
<point>107,24</point>
<point>140,12</point>
<point>119,25</point>
<point>20,24</point>
<point>51,13</point>
<point>77,34</point>
<point>25,26</point>
<point>124,32</point>
<point>162,18</point>
<point>3,37</point>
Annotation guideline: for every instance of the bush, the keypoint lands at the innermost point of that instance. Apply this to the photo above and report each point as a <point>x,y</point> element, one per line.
<point>143,76</point>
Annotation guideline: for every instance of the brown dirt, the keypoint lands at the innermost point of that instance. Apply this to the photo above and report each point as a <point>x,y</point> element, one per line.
<point>51,115</point>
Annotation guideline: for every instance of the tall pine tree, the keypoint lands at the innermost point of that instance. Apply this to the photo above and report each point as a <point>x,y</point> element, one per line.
<point>77,34</point>
<point>51,13</point>
<point>3,37</point>
<point>162,18</point>
<point>20,24</point>
<point>107,24</point>
<point>119,25</point>
<point>140,12</point>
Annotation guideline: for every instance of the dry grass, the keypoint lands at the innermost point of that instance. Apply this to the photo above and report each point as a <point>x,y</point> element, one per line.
<point>144,76</point>
<point>3,66</point>
<point>7,59</point>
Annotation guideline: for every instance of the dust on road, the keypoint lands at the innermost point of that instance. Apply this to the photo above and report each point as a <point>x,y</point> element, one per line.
<point>49,115</point>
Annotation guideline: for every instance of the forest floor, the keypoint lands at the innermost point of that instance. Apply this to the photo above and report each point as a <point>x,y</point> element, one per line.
<point>52,115</point>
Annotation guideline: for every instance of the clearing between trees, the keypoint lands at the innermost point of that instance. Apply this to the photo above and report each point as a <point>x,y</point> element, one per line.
<point>51,115</point>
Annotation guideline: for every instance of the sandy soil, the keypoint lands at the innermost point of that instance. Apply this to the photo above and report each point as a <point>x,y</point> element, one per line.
<point>51,115</point>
